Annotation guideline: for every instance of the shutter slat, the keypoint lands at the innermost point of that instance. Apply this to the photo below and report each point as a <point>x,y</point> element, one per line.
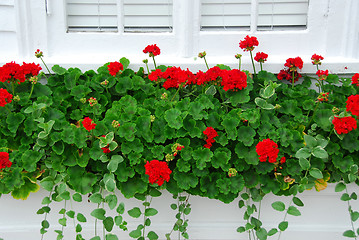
<point>91,15</point>
<point>225,14</point>
<point>282,14</point>
<point>147,15</point>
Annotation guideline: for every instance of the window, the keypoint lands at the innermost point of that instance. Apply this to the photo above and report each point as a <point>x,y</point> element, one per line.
<point>253,14</point>
<point>111,15</point>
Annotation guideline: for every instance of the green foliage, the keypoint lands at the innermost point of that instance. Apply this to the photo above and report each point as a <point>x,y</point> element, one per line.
<point>137,121</point>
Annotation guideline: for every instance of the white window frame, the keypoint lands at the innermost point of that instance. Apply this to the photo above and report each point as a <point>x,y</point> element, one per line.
<point>332,32</point>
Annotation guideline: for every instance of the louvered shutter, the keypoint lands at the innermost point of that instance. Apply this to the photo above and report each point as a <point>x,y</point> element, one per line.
<point>91,15</point>
<point>282,14</point>
<point>147,15</point>
<point>225,14</point>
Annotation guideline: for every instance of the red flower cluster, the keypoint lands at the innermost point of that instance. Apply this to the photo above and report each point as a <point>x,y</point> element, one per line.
<point>114,68</point>
<point>153,50</point>
<point>261,57</point>
<point>211,134</point>
<point>88,124</point>
<point>344,124</point>
<point>353,104</point>
<point>175,77</point>
<point>267,149</point>
<point>355,79</point>
<point>288,75</point>
<point>14,72</point>
<point>322,75</point>
<point>323,97</point>
<point>157,171</point>
<point>39,53</point>
<point>106,149</point>
<point>316,59</point>
<point>294,63</point>
<point>248,43</point>
<point>5,97</point>
<point>4,160</point>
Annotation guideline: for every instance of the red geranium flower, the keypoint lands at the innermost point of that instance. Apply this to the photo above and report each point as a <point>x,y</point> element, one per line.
<point>322,75</point>
<point>157,172</point>
<point>353,104</point>
<point>248,43</point>
<point>316,59</point>
<point>88,124</point>
<point>114,68</point>
<point>4,160</point>
<point>267,149</point>
<point>355,79</point>
<point>294,63</point>
<point>233,80</point>
<point>12,72</point>
<point>344,124</point>
<point>288,75</point>
<point>5,97</point>
<point>210,134</point>
<point>31,69</point>
<point>261,57</point>
<point>153,50</point>
<point>155,75</point>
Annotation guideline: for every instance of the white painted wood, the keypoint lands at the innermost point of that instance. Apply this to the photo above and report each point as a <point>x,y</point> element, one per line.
<point>324,217</point>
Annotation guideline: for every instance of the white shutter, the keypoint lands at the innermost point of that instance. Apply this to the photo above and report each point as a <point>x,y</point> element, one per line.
<point>225,14</point>
<point>282,14</point>
<point>147,15</point>
<point>91,15</point>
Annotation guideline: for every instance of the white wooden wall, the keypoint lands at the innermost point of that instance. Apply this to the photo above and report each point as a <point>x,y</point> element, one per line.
<point>324,217</point>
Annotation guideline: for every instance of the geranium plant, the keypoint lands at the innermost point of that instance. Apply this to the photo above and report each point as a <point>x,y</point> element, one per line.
<point>223,134</point>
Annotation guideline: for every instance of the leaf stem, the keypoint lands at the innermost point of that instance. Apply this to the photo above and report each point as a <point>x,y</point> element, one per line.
<point>285,217</point>
<point>349,209</point>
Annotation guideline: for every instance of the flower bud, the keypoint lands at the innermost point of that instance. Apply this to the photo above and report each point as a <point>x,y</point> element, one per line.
<point>145,61</point>
<point>39,53</point>
<point>232,172</point>
<point>33,79</point>
<point>104,83</point>
<point>83,100</point>
<point>16,98</point>
<point>169,157</point>
<point>92,101</point>
<point>153,118</point>
<point>238,56</point>
<point>164,96</point>
<point>277,106</point>
<point>335,110</point>
<point>202,54</point>
<point>115,124</point>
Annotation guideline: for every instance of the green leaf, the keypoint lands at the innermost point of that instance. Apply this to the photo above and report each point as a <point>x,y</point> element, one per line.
<point>70,213</point>
<point>47,183</point>
<point>110,236</point>
<point>241,229</point>
<point>211,90</point>
<point>63,222</point>
<point>78,228</point>
<point>241,203</point>
<point>174,118</point>
<point>354,216</point>
<point>109,181</point>
<point>152,235</point>
<point>111,201</point>
<point>298,202</point>
<point>272,231</point>
<point>293,211</point>
<point>121,208</point>
<point>260,102</point>
<point>113,164</point>
<point>99,213</point>
<point>316,173</point>
<point>304,163</point>
<point>246,135</point>
<point>96,198</point>
<point>45,224</point>
<point>262,234</point>
<point>125,62</point>
<point>320,152</point>
<point>135,233</point>
<point>134,212</point>
<point>150,212</point>
<point>108,224</point>
<point>349,234</point>
<point>340,187</point>
<point>59,70</point>
<point>202,156</point>
<point>303,153</point>
<point>96,238</point>
<point>279,206</point>
<point>77,197</point>
<point>345,197</point>
<point>310,141</point>
<point>81,218</point>
<point>283,226</point>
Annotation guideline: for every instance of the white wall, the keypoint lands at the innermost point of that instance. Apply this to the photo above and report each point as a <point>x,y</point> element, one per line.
<point>324,217</point>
